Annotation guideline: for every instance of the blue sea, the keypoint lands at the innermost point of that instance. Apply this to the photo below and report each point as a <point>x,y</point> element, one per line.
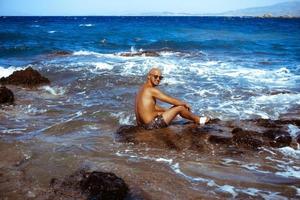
<point>227,66</point>
<point>231,68</point>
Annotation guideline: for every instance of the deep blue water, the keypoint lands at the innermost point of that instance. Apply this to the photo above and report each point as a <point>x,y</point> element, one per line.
<point>227,67</point>
<point>244,38</point>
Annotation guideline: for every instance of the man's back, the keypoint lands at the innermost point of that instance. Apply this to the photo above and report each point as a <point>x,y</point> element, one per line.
<point>145,105</point>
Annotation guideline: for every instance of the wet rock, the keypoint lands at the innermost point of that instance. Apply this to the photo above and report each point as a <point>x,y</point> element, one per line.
<point>279,138</point>
<point>211,136</point>
<point>267,123</point>
<point>245,138</point>
<point>58,54</point>
<point>220,139</point>
<point>141,53</point>
<point>6,95</point>
<point>28,77</point>
<point>94,185</point>
<point>298,138</point>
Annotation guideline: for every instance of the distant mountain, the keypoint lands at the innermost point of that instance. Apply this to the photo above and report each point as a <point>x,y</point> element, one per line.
<point>287,9</point>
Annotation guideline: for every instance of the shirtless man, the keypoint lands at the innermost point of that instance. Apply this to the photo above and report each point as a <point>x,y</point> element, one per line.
<point>151,116</point>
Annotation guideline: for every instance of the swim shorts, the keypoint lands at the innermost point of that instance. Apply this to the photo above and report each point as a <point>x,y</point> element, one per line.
<point>156,123</point>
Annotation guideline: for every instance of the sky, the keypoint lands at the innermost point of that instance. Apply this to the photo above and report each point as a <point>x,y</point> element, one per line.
<point>123,7</point>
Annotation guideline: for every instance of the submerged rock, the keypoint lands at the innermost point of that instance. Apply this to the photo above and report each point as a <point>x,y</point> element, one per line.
<point>279,138</point>
<point>6,95</point>
<point>245,138</point>
<point>93,186</point>
<point>245,134</point>
<point>28,77</point>
<point>298,138</point>
<point>140,53</point>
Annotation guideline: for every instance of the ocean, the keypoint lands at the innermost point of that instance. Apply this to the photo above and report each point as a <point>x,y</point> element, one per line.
<point>230,68</point>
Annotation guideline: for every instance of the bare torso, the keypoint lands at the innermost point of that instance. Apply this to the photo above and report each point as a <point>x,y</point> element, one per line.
<point>145,105</point>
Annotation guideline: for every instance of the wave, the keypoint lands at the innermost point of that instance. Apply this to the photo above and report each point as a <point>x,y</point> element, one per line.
<point>5,72</point>
<point>87,25</point>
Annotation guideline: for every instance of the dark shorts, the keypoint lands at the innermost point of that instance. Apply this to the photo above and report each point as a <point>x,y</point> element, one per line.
<point>156,123</point>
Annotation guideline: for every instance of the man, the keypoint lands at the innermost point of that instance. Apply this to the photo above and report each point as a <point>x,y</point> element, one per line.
<point>151,116</point>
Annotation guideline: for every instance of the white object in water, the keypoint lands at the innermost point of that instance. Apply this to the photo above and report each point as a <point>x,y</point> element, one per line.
<point>203,120</point>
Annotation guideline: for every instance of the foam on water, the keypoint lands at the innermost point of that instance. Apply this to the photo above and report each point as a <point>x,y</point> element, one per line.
<point>290,171</point>
<point>87,25</point>
<point>293,130</point>
<point>55,90</point>
<point>5,72</point>
<point>124,118</point>
<point>229,189</point>
<point>86,53</point>
<point>51,32</point>
<point>289,151</point>
<point>102,65</point>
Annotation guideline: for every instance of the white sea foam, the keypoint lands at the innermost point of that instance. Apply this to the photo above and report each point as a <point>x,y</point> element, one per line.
<point>87,25</point>
<point>289,172</point>
<point>229,189</point>
<point>86,53</point>
<point>51,32</point>
<point>176,168</point>
<point>251,191</point>
<point>293,130</point>
<point>124,118</point>
<point>288,151</point>
<point>14,130</point>
<point>5,72</point>
<point>102,66</point>
<point>165,160</point>
<point>56,91</point>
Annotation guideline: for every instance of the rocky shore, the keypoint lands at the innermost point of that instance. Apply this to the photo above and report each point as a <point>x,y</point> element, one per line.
<point>232,135</point>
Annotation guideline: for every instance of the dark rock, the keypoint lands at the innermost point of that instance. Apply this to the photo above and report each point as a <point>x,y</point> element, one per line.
<point>6,95</point>
<point>58,54</point>
<point>220,139</point>
<point>279,138</point>
<point>245,138</point>
<point>28,77</point>
<point>94,185</point>
<point>216,135</point>
<point>140,53</point>
<point>298,138</point>
<point>267,123</point>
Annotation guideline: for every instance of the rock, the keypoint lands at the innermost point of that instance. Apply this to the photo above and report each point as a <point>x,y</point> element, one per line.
<point>279,138</point>
<point>140,53</point>
<point>6,95</point>
<point>220,139</point>
<point>267,123</point>
<point>28,77</point>
<point>214,135</point>
<point>94,185</point>
<point>59,53</point>
<point>298,138</point>
<point>245,138</point>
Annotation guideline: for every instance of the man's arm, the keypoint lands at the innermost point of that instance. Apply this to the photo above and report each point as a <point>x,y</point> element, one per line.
<point>159,108</point>
<point>165,98</point>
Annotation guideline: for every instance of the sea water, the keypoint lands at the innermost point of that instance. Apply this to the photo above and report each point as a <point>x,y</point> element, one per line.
<point>231,68</point>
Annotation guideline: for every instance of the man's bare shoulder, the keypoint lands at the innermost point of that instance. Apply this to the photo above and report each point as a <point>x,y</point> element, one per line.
<point>153,91</point>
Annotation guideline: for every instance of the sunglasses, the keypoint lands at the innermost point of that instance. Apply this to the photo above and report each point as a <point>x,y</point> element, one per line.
<point>157,77</point>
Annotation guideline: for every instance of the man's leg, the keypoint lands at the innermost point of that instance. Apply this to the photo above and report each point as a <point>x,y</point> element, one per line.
<point>171,113</point>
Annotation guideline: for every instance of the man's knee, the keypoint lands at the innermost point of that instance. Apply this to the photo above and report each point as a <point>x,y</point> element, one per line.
<point>180,108</point>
